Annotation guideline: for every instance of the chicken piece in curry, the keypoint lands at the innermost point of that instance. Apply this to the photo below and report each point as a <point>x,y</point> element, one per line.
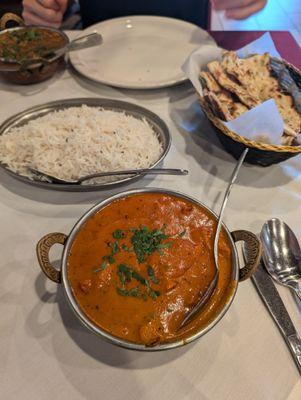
<point>137,266</point>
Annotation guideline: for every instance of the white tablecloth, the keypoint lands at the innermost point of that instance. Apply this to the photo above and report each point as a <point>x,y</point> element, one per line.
<point>46,354</point>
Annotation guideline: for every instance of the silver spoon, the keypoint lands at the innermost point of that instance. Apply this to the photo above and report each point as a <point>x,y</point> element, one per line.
<point>144,171</point>
<point>282,254</point>
<point>82,42</point>
<point>213,283</point>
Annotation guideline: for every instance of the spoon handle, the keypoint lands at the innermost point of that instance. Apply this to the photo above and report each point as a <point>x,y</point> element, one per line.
<point>221,213</point>
<point>147,171</point>
<point>213,283</point>
<point>297,290</point>
<point>295,348</point>
<point>82,42</point>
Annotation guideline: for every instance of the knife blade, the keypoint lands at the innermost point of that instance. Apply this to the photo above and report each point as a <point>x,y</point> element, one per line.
<point>272,300</point>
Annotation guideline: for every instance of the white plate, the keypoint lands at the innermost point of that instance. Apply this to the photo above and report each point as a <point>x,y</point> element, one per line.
<point>139,52</point>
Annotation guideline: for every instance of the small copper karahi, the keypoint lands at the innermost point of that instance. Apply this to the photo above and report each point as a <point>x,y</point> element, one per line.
<point>21,72</point>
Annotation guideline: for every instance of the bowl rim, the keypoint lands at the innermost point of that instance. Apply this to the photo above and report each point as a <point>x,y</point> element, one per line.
<point>114,339</point>
<point>17,28</point>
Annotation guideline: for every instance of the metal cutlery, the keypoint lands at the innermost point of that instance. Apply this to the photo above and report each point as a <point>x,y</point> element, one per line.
<point>205,297</point>
<point>40,175</point>
<point>281,259</point>
<point>282,254</point>
<point>82,42</point>
<point>270,297</point>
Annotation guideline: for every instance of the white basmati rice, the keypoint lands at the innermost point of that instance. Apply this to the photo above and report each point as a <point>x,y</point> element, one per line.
<point>79,141</point>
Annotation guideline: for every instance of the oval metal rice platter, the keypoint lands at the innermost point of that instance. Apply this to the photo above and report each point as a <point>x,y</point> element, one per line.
<point>24,117</point>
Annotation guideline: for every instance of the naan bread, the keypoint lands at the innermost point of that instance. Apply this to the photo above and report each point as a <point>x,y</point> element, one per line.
<point>235,85</point>
<point>285,104</point>
<point>254,73</point>
<point>221,98</point>
<point>218,108</point>
<point>210,83</point>
<point>227,83</point>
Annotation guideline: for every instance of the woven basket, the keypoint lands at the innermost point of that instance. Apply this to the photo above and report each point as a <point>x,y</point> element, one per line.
<point>259,153</point>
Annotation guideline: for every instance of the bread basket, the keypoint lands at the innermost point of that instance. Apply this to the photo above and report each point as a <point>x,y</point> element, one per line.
<point>262,154</point>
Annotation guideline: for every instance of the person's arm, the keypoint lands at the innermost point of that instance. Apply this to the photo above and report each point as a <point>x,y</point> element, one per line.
<point>44,12</point>
<point>238,9</point>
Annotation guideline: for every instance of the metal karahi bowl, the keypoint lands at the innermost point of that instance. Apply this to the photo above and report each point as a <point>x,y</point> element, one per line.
<point>35,73</point>
<point>251,241</point>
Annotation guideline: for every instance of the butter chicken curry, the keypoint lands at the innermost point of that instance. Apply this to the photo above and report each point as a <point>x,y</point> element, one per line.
<point>138,265</point>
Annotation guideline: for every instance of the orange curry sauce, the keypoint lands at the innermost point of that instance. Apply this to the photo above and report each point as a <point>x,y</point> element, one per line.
<point>139,264</point>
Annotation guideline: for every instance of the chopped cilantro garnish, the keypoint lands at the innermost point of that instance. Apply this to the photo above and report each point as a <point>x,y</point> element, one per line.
<point>126,274</point>
<point>118,234</point>
<point>146,242</point>
<point>126,248</point>
<point>154,293</point>
<point>135,292</point>
<point>30,34</point>
<point>151,274</point>
<point>102,267</point>
<point>115,248</point>
<point>109,258</point>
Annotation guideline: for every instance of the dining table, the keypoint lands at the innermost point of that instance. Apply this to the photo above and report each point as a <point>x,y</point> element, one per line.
<point>46,353</point>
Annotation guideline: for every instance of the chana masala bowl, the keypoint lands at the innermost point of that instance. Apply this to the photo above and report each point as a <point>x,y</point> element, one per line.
<point>136,263</point>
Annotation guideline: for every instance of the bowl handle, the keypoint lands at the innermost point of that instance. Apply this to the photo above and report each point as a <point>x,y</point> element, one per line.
<point>43,247</point>
<point>10,17</point>
<point>253,252</point>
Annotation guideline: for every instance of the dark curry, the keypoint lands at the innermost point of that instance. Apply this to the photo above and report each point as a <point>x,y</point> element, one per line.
<point>137,266</point>
<point>29,43</point>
